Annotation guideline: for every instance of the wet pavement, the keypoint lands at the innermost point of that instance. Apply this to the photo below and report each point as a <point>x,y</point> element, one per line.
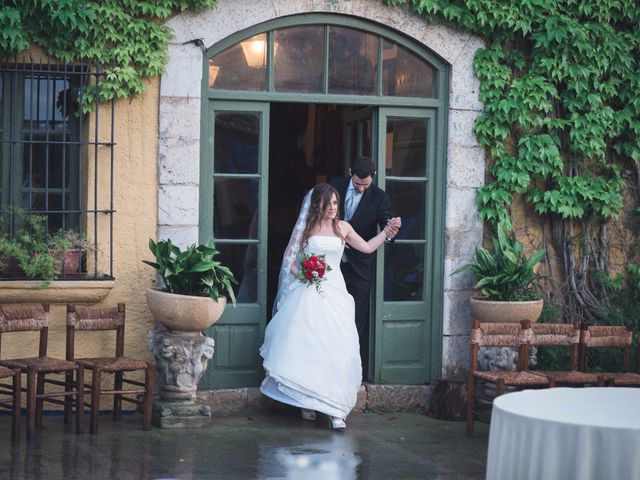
<point>261,445</point>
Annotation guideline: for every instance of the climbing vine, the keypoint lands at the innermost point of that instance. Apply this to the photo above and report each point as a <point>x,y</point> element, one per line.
<point>560,83</point>
<point>124,35</point>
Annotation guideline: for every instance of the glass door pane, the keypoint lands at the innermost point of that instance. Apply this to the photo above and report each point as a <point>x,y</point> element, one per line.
<point>233,212</point>
<point>299,59</point>
<point>405,169</point>
<point>358,134</point>
<point>240,67</point>
<point>353,61</point>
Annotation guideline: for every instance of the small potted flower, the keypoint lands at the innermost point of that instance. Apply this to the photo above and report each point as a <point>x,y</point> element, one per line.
<point>71,249</point>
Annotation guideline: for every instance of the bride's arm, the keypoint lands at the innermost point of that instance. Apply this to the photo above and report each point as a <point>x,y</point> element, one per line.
<point>357,242</point>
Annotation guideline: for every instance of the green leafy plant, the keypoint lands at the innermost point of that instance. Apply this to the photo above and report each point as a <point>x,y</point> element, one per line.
<point>505,274</point>
<point>128,36</point>
<point>33,251</point>
<point>194,271</point>
<point>560,86</point>
<point>559,81</point>
<point>69,239</point>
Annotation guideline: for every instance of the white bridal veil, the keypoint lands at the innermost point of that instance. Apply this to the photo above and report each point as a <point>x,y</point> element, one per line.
<point>286,278</point>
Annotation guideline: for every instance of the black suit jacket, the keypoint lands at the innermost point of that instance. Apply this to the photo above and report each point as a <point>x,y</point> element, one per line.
<point>373,210</point>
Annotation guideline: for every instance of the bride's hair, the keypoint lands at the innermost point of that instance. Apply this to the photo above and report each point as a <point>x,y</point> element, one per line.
<point>320,198</point>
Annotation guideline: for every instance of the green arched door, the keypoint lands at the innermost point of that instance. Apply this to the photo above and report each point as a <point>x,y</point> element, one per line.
<point>391,96</point>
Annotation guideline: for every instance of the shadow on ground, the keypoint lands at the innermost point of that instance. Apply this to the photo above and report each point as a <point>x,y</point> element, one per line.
<point>261,445</point>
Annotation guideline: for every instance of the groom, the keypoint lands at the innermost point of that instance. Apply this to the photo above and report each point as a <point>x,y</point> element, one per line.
<point>365,207</point>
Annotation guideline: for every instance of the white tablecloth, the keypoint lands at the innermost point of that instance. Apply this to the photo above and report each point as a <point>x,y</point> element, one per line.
<point>565,433</point>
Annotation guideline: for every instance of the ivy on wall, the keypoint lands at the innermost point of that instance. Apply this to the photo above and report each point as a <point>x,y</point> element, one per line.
<point>560,83</point>
<point>124,35</point>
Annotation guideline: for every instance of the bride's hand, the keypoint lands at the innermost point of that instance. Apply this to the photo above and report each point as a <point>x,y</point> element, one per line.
<point>392,227</point>
<point>390,231</point>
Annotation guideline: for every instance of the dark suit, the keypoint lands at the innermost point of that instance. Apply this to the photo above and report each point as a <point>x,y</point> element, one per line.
<point>373,210</point>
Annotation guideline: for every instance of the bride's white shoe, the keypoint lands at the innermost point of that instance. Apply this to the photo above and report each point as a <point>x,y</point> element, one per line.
<point>308,414</point>
<point>338,423</point>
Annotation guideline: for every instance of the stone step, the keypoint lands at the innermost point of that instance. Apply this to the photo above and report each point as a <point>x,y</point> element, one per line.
<point>371,397</point>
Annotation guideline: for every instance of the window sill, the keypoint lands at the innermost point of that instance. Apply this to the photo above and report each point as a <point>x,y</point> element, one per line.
<point>60,291</point>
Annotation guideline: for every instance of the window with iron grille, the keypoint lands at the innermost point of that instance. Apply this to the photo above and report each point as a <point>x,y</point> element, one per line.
<point>56,165</point>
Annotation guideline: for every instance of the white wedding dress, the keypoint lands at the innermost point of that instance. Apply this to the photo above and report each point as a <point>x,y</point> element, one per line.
<point>311,351</point>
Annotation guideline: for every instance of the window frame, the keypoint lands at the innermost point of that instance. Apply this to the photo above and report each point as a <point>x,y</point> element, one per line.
<point>439,66</point>
<point>86,156</point>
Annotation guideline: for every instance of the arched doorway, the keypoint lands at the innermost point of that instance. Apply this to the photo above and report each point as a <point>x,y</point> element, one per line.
<point>287,104</point>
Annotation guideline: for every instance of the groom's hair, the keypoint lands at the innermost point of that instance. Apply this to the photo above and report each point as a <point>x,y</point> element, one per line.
<point>363,167</point>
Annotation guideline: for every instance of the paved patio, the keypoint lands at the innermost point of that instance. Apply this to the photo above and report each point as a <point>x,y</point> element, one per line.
<point>261,445</point>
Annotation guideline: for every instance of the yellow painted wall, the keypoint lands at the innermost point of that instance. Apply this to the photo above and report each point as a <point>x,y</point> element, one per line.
<point>134,222</point>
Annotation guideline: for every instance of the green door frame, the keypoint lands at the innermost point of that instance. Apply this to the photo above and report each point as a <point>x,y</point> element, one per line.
<point>421,319</point>
<point>437,107</point>
<point>240,331</point>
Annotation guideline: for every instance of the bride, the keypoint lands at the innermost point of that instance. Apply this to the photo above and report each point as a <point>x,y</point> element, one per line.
<point>311,352</point>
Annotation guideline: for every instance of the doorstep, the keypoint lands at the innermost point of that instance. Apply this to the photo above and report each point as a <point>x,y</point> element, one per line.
<point>371,397</point>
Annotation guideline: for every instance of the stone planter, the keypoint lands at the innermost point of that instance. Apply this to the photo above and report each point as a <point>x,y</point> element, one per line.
<point>181,353</point>
<point>505,312</point>
<point>184,313</point>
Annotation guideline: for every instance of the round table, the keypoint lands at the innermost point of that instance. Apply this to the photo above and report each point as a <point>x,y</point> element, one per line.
<point>565,433</point>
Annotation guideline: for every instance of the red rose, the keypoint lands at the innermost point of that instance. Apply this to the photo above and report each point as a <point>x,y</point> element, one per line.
<point>308,274</point>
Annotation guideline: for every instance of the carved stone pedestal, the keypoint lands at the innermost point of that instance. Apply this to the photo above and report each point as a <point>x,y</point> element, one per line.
<point>180,414</point>
<point>181,359</point>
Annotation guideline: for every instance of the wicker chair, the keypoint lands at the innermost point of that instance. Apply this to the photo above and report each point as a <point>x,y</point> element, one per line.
<point>87,318</point>
<point>611,337</point>
<point>565,335</point>
<point>498,335</point>
<point>33,317</point>
<point>10,397</point>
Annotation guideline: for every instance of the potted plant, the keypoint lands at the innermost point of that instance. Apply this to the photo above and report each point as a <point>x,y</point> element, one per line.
<point>504,278</point>
<point>30,251</point>
<point>195,285</point>
<point>70,249</point>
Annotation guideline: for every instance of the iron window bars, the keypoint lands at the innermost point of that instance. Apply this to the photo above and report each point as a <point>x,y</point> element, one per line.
<point>54,158</point>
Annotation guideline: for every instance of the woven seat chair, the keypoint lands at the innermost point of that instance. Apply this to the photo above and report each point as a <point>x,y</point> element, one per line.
<point>564,335</point>
<point>595,336</point>
<point>81,318</point>
<point>10,397</point>
<point>33,317</point>
<point>497,335</point>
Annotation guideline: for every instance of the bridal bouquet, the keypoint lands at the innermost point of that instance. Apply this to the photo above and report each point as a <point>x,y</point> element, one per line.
<point>312,270</point>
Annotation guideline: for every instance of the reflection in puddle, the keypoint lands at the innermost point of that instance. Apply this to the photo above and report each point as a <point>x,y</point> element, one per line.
<point>333,459</point>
